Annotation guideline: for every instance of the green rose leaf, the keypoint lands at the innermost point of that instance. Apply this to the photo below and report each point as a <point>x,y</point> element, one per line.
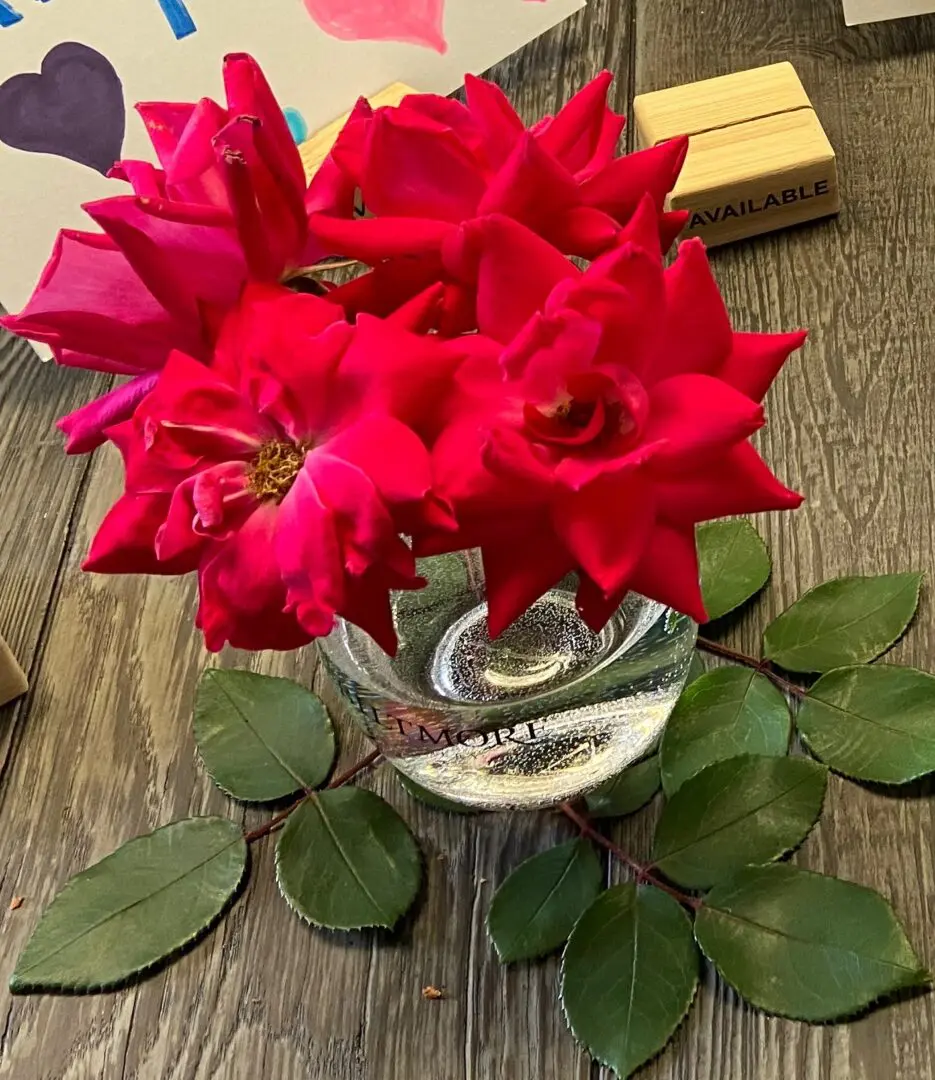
<point>733,564</point>
<point>536,908</point>
<point>134,908</point>
<point>727,712</point>
<point>804,945</point>
<point>744,810</point>
<point>437,802</point>
<point>696,668</point>
<point>851,620</point>
<point>261,738</point>
<point>626,793</point>
<point>872,723</point>
<point>629,975</point>
<point>346,860</point>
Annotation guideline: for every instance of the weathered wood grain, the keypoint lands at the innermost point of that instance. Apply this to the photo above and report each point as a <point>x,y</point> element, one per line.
<point>852,423</point>
<point>106,752</point>
<point>38,493</point>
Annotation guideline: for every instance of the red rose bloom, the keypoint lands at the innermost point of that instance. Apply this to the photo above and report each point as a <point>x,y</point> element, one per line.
<point>604,413</point>
<point>226,207</point>
<point>431,162</point>
<point>283,475</point>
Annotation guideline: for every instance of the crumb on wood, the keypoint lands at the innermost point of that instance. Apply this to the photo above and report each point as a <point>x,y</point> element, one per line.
<point>433,993</point>
<point>16,902</point>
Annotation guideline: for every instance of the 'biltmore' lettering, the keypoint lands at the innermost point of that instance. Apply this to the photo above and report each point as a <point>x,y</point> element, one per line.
<point>517,733</point>
<point>703,218</point>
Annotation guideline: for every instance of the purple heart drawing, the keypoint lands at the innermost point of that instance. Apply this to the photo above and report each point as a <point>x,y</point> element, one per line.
<point>73,108</point>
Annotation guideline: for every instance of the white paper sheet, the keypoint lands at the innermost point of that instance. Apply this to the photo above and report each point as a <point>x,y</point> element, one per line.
<point>310,70</point>
<point>866,11</point>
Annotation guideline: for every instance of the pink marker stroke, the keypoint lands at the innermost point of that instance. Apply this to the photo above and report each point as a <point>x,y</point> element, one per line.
<point>415,22</point>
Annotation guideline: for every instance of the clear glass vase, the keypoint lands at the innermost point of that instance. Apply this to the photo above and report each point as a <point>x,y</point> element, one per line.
<point>544,713</point>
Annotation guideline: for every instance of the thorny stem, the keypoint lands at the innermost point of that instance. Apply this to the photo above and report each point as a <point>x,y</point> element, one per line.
<point>643,873</point>
<point>762,666</point>
<point>339,781</point>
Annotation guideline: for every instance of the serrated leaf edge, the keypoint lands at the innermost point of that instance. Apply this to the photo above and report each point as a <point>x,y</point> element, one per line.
<point>919,575</point>
<point>580,844</point>
<point>80,989</point>
<point>887,781</point>
<point>346,928</point>
<point>921,977</point>
<point>599,815</point>
<point>755,677</point>
<point>675,1028</point>
<point>782,854</point>
<point>213,674</point>
<point>769,573</point>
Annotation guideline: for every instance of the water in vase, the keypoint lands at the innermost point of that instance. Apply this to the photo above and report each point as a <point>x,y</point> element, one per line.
<point>541,714</point>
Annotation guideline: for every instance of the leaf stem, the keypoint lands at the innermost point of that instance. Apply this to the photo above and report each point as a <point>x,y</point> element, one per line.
<point>274,822</point>
<point>643,873</point>
<point>365,763</point>
<point>762,666</point>
<point>339,781</point>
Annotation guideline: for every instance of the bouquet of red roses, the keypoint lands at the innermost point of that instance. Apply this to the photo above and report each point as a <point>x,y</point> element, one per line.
<point>300,446</point>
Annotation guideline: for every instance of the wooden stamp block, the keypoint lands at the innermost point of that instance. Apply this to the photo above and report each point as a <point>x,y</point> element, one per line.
<point>12,680</point>
<point>758,157</point>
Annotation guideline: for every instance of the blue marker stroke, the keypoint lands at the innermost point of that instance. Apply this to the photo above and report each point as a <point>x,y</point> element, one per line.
<point>9,16</point>
<point>177,14</point>
<point>180,21</point>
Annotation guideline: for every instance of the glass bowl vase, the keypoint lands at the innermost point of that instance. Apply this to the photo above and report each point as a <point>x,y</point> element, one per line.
<point>542,714</point>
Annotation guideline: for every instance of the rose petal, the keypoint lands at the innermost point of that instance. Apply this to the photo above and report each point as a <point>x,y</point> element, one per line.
<point>390,454</point>
<point>515,271</point>
<point>606,526</point>
<point>90,300</point>
<point>521,565</point>
<point>185,257</point>
<point>418,168</point>
<point>690,414</point>
<point>374,239</point>
<point>242,593</point>
<point>85,428</point>
<point>494,115</point>
<point>618,188</point>
<point>125,541</point>
<point>738,482</point>
<point>579,128</point>
<point>755,361</point>
<point>668,571</point>
<point>697,336</point>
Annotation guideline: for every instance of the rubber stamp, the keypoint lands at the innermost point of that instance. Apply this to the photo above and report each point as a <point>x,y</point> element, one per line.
<point>758,158</point>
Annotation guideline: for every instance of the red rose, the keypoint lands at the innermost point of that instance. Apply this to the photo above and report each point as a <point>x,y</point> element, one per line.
<point>603,414</point>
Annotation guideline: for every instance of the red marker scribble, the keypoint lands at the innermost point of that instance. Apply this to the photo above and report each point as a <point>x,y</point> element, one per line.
<point>415,22</point>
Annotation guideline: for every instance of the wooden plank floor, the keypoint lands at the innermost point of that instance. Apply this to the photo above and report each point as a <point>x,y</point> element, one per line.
<point>101,749</point>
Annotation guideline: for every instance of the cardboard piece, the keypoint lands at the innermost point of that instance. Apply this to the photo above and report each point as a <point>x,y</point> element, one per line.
<point>59,133</point>
<point>758,158</point>
<point>867,11</point>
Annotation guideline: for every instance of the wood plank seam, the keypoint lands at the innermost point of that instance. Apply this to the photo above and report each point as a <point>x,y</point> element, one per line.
<point>24,704</point>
